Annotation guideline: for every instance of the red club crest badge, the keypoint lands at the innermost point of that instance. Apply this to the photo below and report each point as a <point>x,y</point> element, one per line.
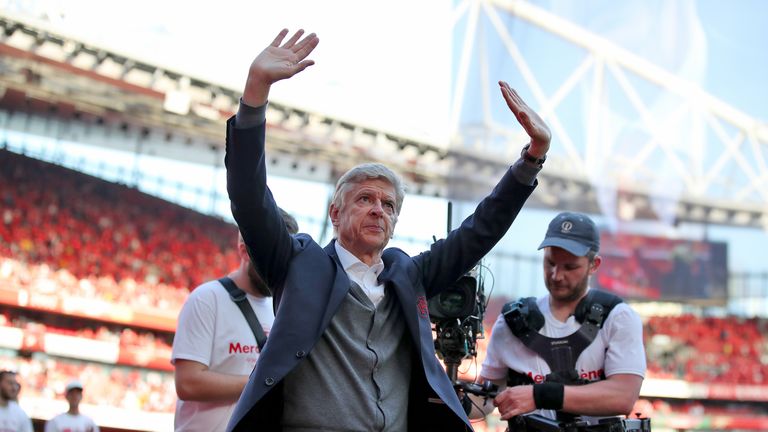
<point>421,305</point>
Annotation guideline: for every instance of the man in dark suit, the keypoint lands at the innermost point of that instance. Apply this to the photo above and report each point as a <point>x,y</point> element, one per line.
<point>351,346</point>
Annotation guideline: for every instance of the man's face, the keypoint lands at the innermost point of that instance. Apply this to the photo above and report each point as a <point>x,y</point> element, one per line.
<point>74,397</point>
<point>566,275</point>
<point>366,220</point>
<point>9,387</point>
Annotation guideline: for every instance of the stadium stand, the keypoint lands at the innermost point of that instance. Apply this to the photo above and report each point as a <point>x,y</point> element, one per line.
<point>726,350</point>
<point>92,275</point>
<point>45,376</point>
<point>140,252</point>
<point>72,221</point>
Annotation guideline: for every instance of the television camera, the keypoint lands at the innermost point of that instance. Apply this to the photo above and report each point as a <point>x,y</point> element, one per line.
<point>457,315</point>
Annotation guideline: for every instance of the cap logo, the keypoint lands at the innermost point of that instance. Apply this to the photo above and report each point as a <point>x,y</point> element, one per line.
<point>566,227</point>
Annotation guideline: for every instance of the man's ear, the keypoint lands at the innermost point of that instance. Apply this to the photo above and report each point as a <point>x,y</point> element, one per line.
<point>242,250</point>
<point>595,264</point>
<point>333,213</point>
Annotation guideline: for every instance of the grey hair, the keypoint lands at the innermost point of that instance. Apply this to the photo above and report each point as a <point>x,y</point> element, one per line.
<point>369,171</point>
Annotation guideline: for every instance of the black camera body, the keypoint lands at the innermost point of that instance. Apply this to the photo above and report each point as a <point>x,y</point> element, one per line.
<point>458,301</point>
<point>457,315</point>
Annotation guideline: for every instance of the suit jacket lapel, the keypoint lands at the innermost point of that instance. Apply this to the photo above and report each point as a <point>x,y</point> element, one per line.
<point>341,285</point>
<point>393,276</point>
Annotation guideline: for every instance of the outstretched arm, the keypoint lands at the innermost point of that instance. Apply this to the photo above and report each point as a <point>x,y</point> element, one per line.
<point>464,247</point>
<point>277,62</point>
<point>253,206</point>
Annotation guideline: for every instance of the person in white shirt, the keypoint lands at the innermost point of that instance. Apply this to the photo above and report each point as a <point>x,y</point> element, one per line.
<point>72,420</point>
<point>214,349</point>
<point>12,417</point>
<point>603,374</point>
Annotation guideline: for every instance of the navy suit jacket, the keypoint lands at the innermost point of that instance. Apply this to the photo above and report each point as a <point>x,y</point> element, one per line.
<point>309,285</point>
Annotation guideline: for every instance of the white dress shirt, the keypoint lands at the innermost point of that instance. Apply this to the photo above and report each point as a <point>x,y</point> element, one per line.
<point>362,274</point>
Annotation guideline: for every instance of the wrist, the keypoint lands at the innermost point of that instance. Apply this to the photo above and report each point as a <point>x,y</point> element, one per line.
<point>548,395</point>
<point>530,155</point>
<point>256,91</point>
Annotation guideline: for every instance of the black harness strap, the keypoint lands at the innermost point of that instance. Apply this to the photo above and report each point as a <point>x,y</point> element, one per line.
<point>238,296</point>
<point>525,320</point>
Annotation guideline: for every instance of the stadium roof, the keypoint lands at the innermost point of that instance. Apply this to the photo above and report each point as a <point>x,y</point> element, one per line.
<point>57,86</point>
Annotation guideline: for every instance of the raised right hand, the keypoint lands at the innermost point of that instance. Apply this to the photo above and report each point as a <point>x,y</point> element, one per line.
<point>534,126</point>
<point>277,62</point>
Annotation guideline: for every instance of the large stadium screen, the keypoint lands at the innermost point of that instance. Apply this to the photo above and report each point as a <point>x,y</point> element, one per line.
<point>655,268</point>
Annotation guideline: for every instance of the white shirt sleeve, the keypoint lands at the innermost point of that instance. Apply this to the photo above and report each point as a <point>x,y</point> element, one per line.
<point>26,423</point>
<point>626,352</point>
<point>502,343</point>
<point>194,330</point>
<point>50,425</point>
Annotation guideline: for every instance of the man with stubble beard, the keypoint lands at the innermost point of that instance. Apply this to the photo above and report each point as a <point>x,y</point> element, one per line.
<point>215,349</point>
<point>573,352</point>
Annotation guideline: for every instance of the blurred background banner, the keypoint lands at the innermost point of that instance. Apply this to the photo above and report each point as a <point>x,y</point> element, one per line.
<point>657,268</point>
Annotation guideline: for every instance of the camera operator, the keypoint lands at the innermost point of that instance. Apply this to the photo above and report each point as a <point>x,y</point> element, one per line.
<point>572,352</point>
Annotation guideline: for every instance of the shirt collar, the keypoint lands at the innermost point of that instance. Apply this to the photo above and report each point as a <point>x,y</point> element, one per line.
<point>348,261</point>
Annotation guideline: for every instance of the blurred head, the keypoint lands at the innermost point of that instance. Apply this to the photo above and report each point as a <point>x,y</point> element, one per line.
<point>571,256</point>
<point>245,261</point>
<point>74,394</point>
<point>365,207</point>
<point>290,222</point>
<point>9,386</point>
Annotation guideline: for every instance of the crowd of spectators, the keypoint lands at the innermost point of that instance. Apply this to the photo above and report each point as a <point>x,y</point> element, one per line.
<point>95,229</point>
<point>44,376</point>
<point>61,283</point>
<point>138,348</point>
<point>727,350</point>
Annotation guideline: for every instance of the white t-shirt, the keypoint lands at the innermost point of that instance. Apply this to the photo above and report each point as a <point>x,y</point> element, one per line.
<point>213,331</point>
<point>14,419</point>
<point>617,349</point>
<point>66,422</point>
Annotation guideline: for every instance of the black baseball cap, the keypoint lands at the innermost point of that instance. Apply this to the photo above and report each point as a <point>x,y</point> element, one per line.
<point>574,232</point>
